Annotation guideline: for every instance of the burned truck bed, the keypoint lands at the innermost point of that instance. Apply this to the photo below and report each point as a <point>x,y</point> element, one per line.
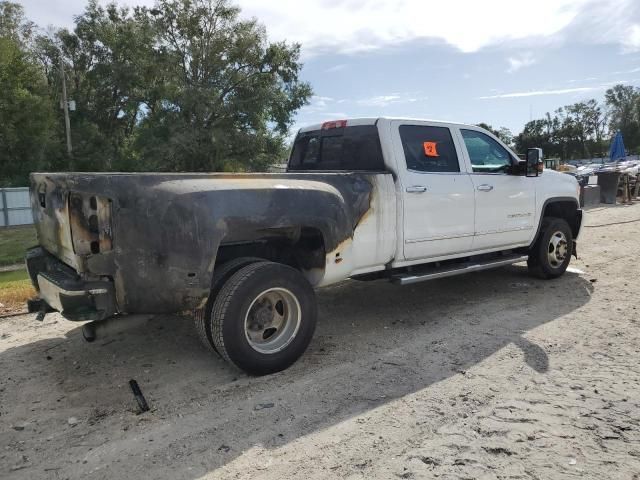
<point>149,243</point>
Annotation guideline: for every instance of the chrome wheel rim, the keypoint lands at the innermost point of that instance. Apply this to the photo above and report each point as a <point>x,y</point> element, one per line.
<point>272,320</point>
<point>557,250</point>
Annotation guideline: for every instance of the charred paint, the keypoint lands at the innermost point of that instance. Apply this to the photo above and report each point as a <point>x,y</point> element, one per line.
<point>161,242</point>
<point>90,222</point>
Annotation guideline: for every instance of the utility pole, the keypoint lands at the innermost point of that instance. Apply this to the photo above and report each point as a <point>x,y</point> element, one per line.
<point>65,107</point>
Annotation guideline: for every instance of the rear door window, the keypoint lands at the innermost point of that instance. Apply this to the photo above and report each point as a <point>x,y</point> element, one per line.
<point>429,149</point>
<point>355,148</point>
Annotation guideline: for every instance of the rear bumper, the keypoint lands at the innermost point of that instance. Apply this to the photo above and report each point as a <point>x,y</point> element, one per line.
<point>63,290</point>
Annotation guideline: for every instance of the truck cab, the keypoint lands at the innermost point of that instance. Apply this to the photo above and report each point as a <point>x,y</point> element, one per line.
<point>459,191</point>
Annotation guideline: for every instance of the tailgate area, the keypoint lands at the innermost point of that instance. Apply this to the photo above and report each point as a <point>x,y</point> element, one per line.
<point>63,290</point>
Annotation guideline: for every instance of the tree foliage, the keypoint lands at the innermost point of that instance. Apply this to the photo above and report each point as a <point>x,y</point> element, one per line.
<point>189,85</point>
<point>624,104</point>
<point>503,133</point>
<point>26,111</point>
<point>584,129</point>
<point>185,85</point>
<point>228,99</point>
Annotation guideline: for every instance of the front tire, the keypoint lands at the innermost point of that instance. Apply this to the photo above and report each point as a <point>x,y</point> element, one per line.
<point>264,317</point>
<point>550,255</point>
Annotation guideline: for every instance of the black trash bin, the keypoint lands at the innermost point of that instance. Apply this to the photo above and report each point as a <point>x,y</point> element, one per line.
<point>608,182</point>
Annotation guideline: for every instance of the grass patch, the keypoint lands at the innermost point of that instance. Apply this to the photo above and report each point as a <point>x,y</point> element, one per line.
<point>13,243</point>
<point>15,290</point>
<point>11,277</point>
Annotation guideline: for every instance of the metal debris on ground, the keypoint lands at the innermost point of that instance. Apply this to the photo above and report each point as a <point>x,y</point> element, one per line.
<point>142,402</point>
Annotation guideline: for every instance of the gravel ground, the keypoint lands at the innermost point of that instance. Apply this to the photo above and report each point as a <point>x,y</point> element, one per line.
<point>490,375</point>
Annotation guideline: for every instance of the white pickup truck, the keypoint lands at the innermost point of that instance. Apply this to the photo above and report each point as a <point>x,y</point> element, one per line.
<point>370,198</point>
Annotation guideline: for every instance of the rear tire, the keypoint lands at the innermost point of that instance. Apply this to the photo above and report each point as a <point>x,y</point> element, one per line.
<point>221,274</point>
<point>550,255</point>
<point>264,318</point>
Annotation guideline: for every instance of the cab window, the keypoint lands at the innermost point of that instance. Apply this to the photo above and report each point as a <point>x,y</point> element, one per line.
<point>355,148</point>
<point>429,149</point>
<point>486,155</point>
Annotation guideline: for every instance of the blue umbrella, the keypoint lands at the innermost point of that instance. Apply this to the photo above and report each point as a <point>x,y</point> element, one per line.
<point>616,151</point>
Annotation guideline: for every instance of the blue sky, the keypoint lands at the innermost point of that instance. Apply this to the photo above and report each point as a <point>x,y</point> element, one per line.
<point>495,61</point>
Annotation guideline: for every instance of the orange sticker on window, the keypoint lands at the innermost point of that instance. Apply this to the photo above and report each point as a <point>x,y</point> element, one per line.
<point>430,149</point>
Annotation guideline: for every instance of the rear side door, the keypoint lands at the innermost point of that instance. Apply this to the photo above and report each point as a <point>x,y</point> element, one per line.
<point>505,203</point>
<point>437,193</point>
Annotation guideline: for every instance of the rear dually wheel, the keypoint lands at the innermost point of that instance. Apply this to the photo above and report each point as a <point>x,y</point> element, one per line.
<point>222,273</point>
<point>264,317</point>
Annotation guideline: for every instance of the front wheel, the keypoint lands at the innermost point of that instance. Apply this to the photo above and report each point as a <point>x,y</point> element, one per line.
<point>550,255</point>
<point>264,317</point>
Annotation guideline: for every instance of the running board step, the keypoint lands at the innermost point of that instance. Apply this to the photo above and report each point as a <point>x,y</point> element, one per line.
<point>451,270</point>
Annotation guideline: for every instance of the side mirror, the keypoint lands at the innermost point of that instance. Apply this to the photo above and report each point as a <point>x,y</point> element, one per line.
<point>534,162</point>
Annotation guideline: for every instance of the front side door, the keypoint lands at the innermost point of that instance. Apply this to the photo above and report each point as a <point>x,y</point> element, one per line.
<point>505,203</point>
<point>437,194</point>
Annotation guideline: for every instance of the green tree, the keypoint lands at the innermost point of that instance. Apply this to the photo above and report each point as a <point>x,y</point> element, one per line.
<point>572,131</point>
<point>13,23</point>
<point>228,97</point>
<point>537,134</point>
<point>109,66</point>
<point>624,106</point>
<point>503,133</point>
<point>584,122</point>
<point>26,112</point>
<point>185,85</point>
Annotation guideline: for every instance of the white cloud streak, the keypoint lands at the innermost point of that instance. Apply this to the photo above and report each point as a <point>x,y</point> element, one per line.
<point>321,104</point>
<point>379,100</point>
<point>336,68</point>
<point>536,93</point>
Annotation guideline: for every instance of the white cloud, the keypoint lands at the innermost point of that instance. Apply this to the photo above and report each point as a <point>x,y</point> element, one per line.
<point>536,93</point>
<point>318,105</point>
<point>633,38</point>
<point>588,79</point>
<point>320,101</point>
<point>321,104</point>
<point>357,25</point>
<point>379,100</point>
<point>520,61</point>
<point>607,22</point>
<point>346,26</point>
<point>386,100</point>
<point>336,68</point>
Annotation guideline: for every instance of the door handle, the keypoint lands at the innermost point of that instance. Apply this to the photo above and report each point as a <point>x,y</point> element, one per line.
<point>417,189</point>
<point>485,188</point>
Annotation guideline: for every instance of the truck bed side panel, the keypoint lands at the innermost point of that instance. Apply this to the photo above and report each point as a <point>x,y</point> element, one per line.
<point>166,228</point>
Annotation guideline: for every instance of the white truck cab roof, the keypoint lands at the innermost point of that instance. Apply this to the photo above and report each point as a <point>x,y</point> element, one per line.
<point>352,122</point>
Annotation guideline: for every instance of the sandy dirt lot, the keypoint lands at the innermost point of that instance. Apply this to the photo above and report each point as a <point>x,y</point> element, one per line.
<point>490,375</point>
